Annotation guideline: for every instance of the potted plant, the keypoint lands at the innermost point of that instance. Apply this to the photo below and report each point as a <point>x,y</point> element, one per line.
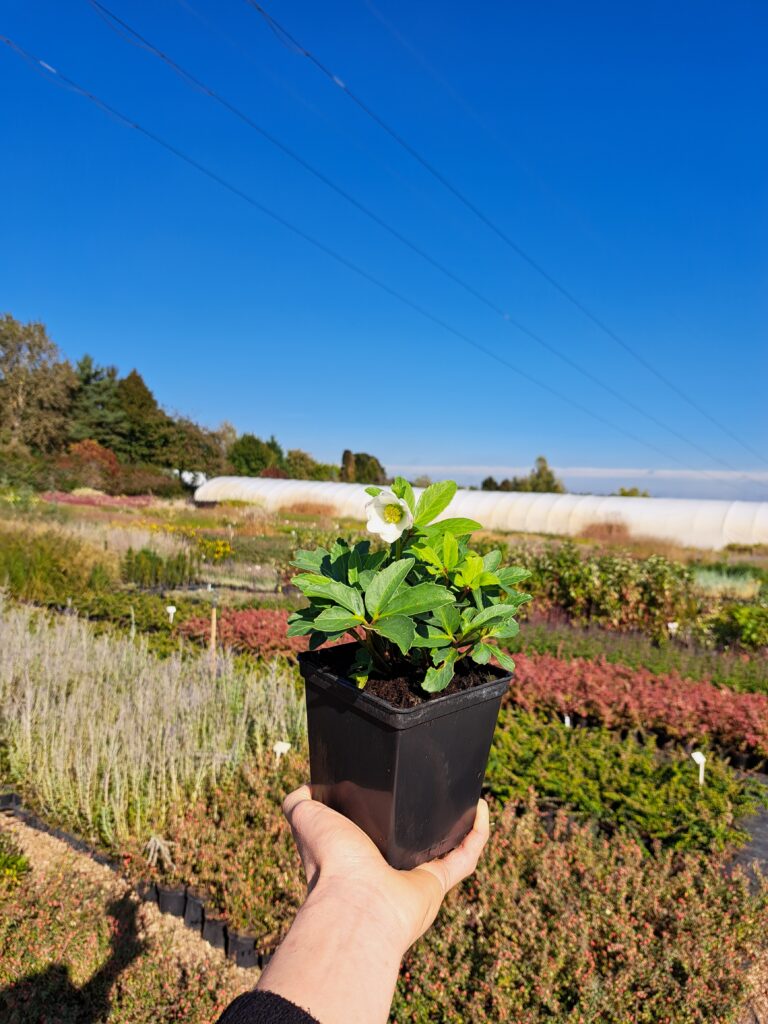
<point>401,718</point>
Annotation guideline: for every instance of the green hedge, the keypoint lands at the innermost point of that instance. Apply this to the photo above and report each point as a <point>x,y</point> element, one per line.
<point>621,783</point>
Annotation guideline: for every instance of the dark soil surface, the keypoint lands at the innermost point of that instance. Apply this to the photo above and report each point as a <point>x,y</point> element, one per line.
<point>404,690</point>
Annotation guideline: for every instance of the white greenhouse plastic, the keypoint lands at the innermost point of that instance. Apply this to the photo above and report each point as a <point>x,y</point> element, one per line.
<point>700,523</point>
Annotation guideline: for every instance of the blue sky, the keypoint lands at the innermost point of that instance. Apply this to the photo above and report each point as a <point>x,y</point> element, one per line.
<point>622,146</point>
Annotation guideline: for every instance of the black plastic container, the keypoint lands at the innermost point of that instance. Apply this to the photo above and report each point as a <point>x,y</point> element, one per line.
<point>409,777</point>
<point>215,931</point>
<point>172,899</point>
<point>241,947</point>
<point>194,911</point>
<point>147,892</point>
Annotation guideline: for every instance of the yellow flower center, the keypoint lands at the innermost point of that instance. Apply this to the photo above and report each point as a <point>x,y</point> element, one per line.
<point>393,513</point>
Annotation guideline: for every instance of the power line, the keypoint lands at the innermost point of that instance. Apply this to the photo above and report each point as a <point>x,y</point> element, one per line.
<point>292,43</point>
<point>54,75</point>
<point>131,35</point>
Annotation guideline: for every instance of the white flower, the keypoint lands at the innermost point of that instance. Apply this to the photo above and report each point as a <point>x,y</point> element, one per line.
<point>281,747</point>
<point>388,516</point>
<point>672,628</point>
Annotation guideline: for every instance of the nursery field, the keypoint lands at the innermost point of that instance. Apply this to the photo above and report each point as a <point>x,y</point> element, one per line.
<point>150,706</point>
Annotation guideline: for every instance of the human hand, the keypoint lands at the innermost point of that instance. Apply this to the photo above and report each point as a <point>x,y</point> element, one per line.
<point>342,863</point>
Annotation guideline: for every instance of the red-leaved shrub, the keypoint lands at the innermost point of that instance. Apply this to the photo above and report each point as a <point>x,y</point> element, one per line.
<point>255,630</point>
<point>618,696</point>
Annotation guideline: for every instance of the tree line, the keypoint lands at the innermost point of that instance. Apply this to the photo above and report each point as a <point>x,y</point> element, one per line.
<point>85,425</point>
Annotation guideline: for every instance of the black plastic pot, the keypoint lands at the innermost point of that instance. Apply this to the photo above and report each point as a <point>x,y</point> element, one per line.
<point>241,947</point>
<point>9,801</point>
<point>194,911</point>
<point>215,931</point>
<point>147,892</point>
<point>172,899</point>
<point>409,777</point>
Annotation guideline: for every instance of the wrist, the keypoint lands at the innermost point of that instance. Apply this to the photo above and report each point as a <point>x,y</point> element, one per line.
<point>362,911</point>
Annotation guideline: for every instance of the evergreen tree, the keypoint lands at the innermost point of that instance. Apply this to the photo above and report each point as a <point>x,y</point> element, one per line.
<point>250,456</point>
<point>97,414</point>
<point>147,430</point>
<point>347,467</point>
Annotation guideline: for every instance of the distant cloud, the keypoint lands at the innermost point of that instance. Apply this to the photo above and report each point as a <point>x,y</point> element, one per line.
<point>667,483</point>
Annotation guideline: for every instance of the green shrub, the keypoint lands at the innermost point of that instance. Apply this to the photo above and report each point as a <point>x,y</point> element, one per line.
<point>47,568</point>
<point>614,590</point>
<point>745,625</point>
<point>620,783</point>
<point>13,864</point>
<point>579,929</point>
<point>146,568</point>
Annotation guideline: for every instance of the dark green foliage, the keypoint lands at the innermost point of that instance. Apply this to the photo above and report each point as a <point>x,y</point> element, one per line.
<point>97,413</point>
<point>146,568</point>
<point>620,783</point>
<point>13,864</point>
<point>368,469</point>
<point>744,625</point>
<point>541,480</point>
<point>145,439</point>
<point>250,456</point>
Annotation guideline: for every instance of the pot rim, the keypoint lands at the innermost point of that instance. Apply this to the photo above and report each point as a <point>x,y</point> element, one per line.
<point>382,710</point>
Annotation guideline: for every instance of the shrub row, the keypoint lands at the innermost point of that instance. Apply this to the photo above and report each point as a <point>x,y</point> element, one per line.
<point>620,783</point>
<point>583,930</point>
<point>738,670</point>
<point>146,568</point>
<point>47,568</point>
<point>614,590</point>
<point>617,696</point>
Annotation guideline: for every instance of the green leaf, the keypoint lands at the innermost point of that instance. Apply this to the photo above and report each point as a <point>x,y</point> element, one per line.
<point>399,629</point>
<point>402,489</point>
<point>357,557</point>
<point>450,618</point>
<point>433,501</point>
<point>321,586</point>
<point>433,638</point>
<point>481,653</point>
<point>506,630</point>
<point>504,659</point>
<point>511,576</point>
<point>492,560</point>
<point>312,561</point>
<point>300,624</point>
<point>384,584</point>
<point>450,551</point>
<point>437,679</point>
<point>373,491</point>
<point>492,614</point>
<point>361,667</point>
<point>424,597</point>
<point>470,570</point>
<point>458,527</point>
<point>335,620</point>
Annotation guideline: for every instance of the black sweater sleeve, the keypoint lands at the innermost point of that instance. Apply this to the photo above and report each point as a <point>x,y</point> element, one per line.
<point>264,1008</point>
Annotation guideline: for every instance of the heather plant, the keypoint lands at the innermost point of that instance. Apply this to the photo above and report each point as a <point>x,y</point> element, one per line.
<point>107,739</point>
<point>736,670</point>
<point>620,783</point>
<point>620,697</point>
<point>579,928</point>
<point>13,864</point>
<point>420,605</point>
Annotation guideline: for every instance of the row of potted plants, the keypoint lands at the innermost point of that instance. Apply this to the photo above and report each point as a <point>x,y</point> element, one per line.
<point>617,696</point>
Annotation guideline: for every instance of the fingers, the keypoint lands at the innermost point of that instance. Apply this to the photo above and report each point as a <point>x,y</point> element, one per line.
<point>462,861</point>
<point>292,801</point>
